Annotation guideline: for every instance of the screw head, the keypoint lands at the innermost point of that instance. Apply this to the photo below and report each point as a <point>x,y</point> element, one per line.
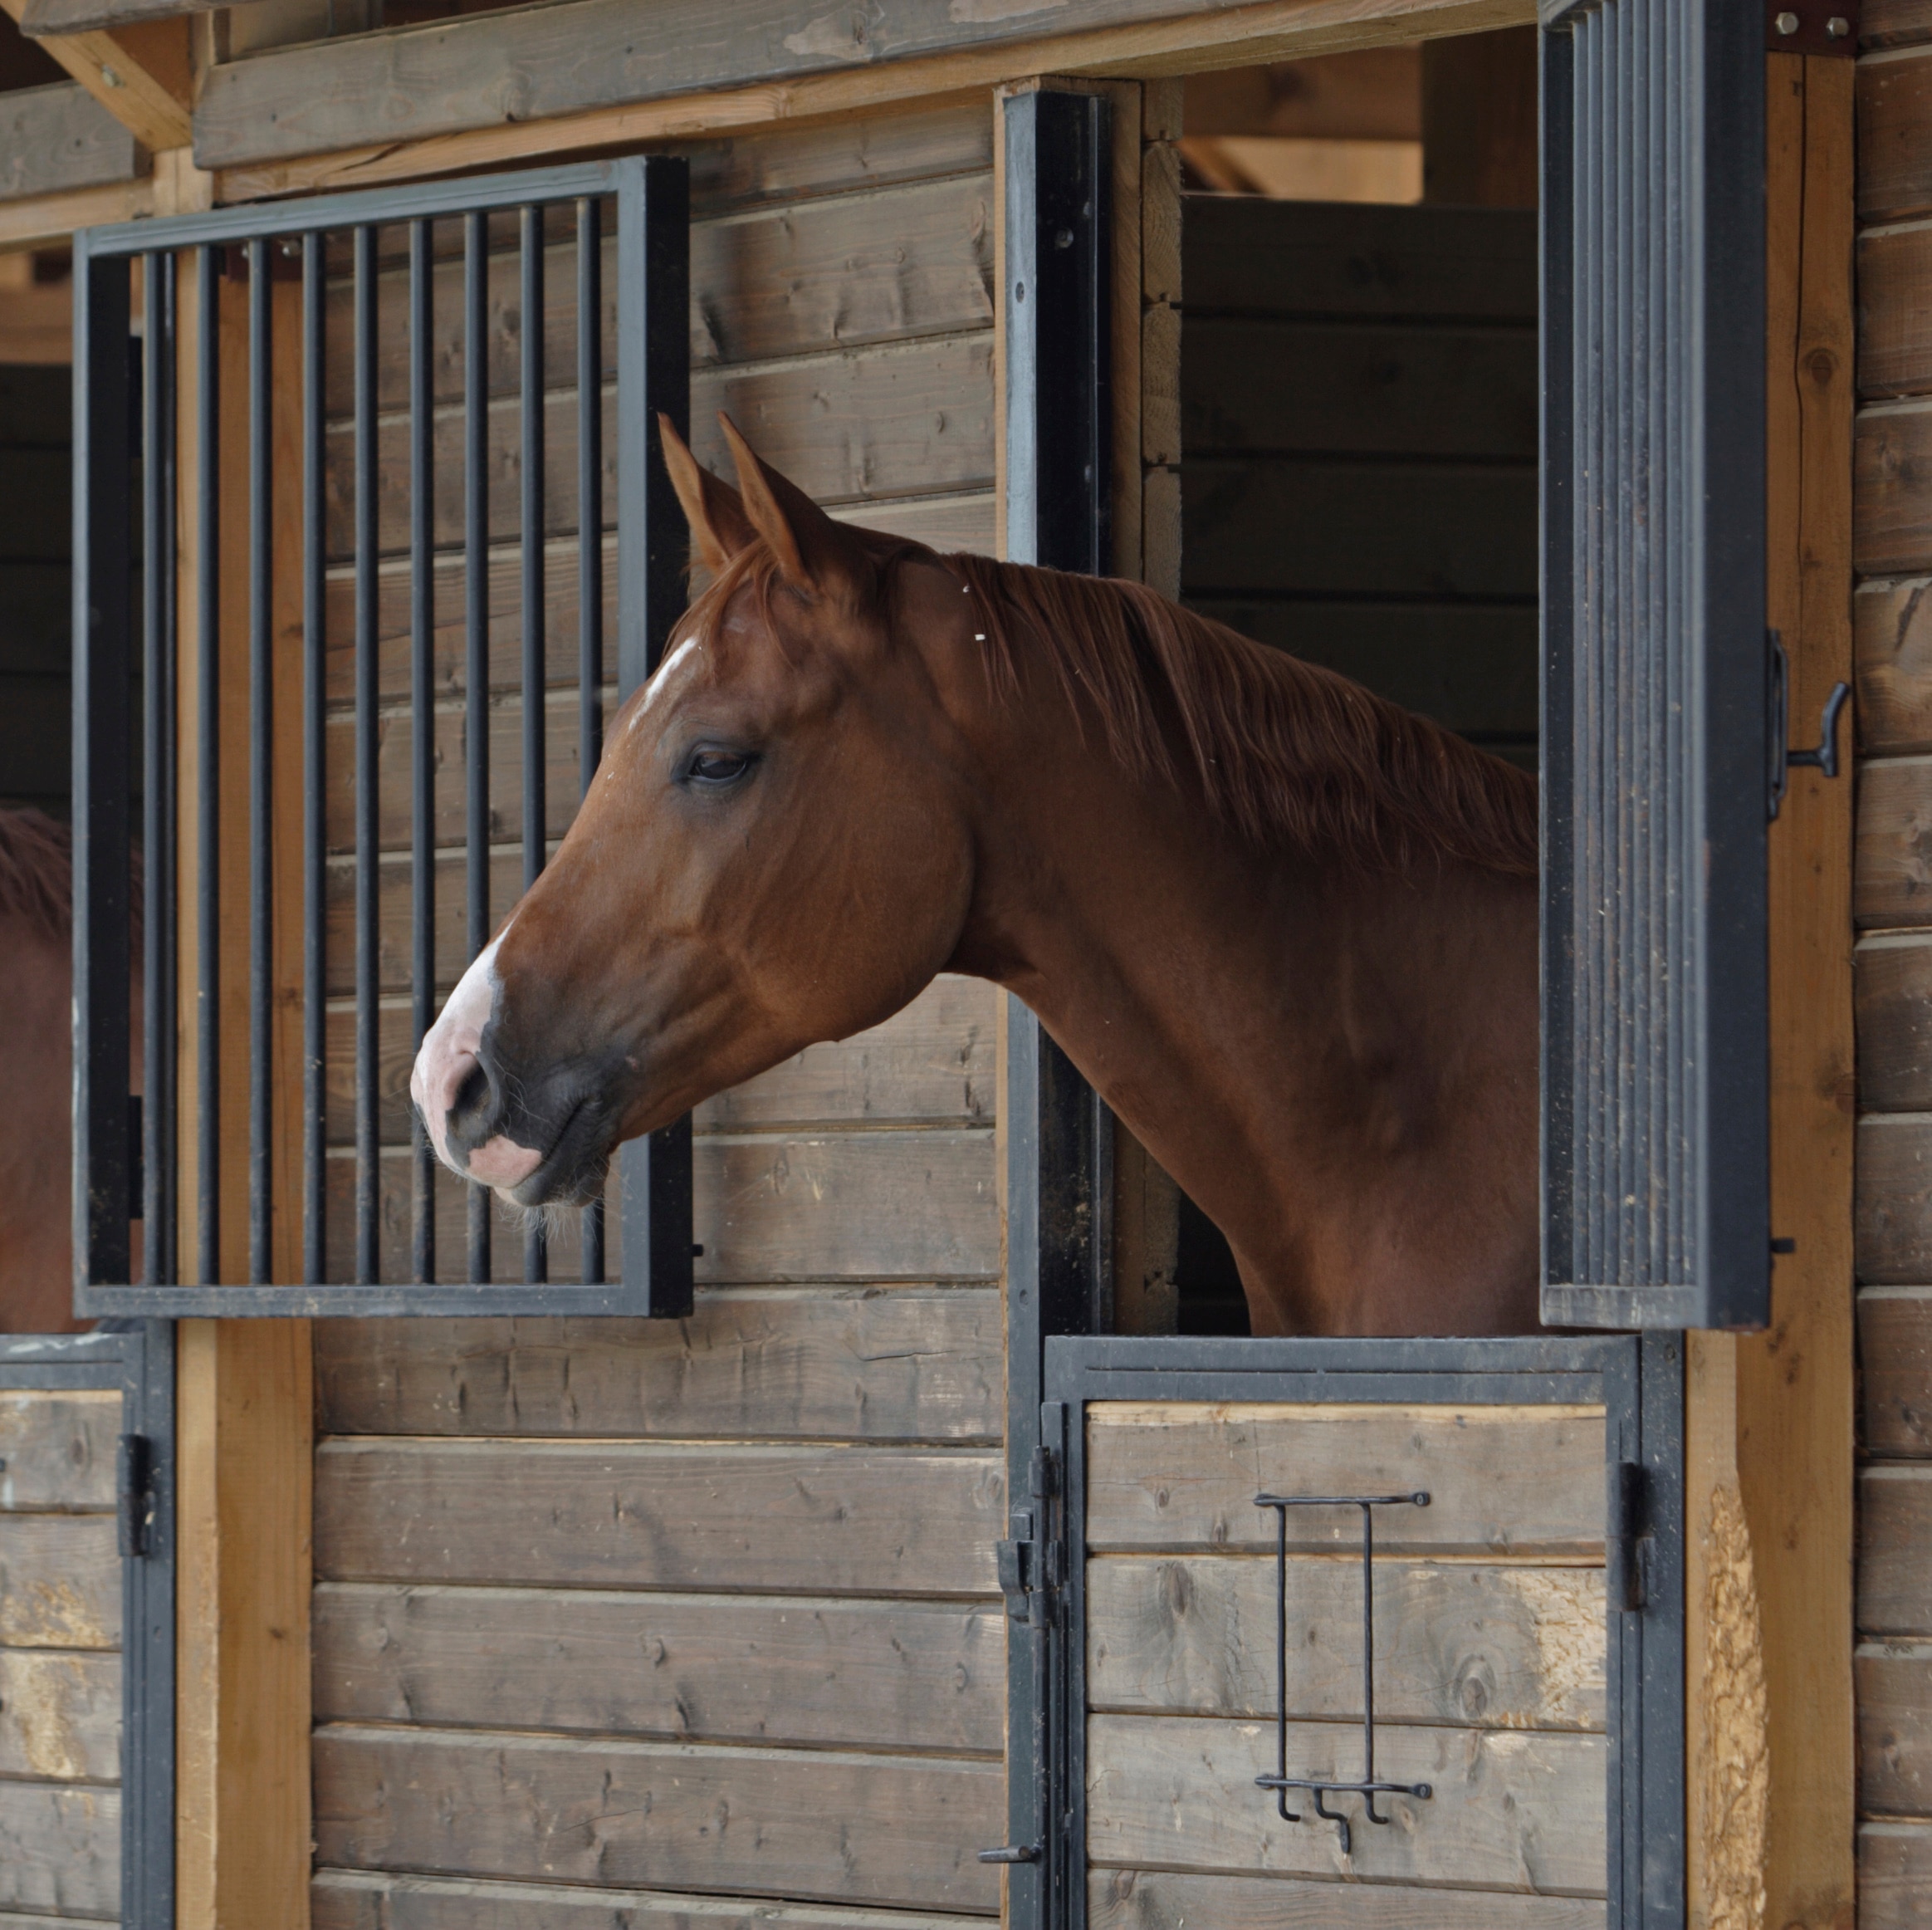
<point>109,78</point>
<point>1838,26</point>
<point>1785,23</point>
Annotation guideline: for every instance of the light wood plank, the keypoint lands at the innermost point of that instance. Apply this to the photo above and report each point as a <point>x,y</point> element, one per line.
<point>56,140</point>
<point>1511,1810</point>
<point>1892,881</point>
<point>1895,1349</point>
<point>59,1849</point>
<point>141,73</point>
<point>829,1520</point>
<point>1470,1646</point>
<point>1502,1481</point>
<point>1153,1899</point>
<point>57,1450</point>
<point>864,1365</point>
<point>1895,1727</point>
<point>60,1582</point>
<point>884,1831</point>
<point>1894,1551</point>
<point>1894,1222</point>
<point>717,1669</point>
<point>1894,1875</point>
<point>60,1716</point>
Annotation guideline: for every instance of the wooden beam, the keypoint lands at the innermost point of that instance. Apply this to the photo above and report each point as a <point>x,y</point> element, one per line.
<point>53,217</point>
<point>48,19</point>
<point>431,100</point>
<point>54,140</point>
<point>143,75</point>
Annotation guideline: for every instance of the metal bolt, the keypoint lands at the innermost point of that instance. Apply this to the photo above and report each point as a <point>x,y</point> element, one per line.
<point>1838,26</point>
<point>1785,23</point>
<point>109,78</point>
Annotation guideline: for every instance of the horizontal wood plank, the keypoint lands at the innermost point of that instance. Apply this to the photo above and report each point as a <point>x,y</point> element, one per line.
<point>60,1582</point>
<point>1891,627</point>
<point>1263,524</point>
<point>1250,256</point>
<point>53,139</point>
<point>824,1521</point>
<point>1894,1682</point>
<point>1895,138</point>
<point>881,1830</point>
<point>1893,1199</point>
<point>1161,1899</point>
<point>1894,1552</point>
<point>60,1716</point>
<point>59,1849</point>
<point>1894,336</point>
<point>1894,1875</point>
<point>1511,1810</point>
<point>57,1450</point>
<point>345,1899</point>
<point>828,1673</point>
<point>1357,389</point>
<point>1891,475</point>
<point>1502,1481</point>
<point>1892,982</point>
<point>1886,23</point>
<point>1895,1352</point>
<point>1466,1645</point>
<point>1892,853</point>
<point>863,1366</point>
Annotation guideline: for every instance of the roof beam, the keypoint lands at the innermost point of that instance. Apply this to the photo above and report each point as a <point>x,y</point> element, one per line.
<point>142,74</point>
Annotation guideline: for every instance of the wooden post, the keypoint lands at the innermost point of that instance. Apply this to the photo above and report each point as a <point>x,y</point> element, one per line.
<point>1773,1773</point>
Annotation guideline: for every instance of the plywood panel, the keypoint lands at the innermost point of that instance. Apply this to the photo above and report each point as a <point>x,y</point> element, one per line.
<point>903,1364</point>
<point>1895,1348</point>
<point>1512,1810</point>
<point>57,1450</point>
<point>1894,1552</point>
<point>1511,1648</point>
<point>1151,1899</point>
<point>831,1520</point>
<point>59,1849</point>
<point>1895,1727</point>
<point>1184,1475</point>
<point>60,1582</point>
<point>1893,981</point>
<point>60,1716</point>
<point>884,1831</point>
<point>1894,1218</point>
<point>847,1674</point>
<point>1892,879</point>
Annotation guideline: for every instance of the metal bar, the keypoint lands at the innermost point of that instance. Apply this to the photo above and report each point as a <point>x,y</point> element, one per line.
<point>261,761</point>
<point>530,384</point>
<point>477,640</point>
<point>590,565</point>
<point>368,1172</point>
<point>147,1780</point>
<point>159,770</point>
<point>314,742</point>
<point>422,726</point>
<point>208,1097</point>
<point>103,728</point>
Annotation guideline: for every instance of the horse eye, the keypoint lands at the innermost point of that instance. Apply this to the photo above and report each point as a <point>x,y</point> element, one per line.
<point>717,767</point>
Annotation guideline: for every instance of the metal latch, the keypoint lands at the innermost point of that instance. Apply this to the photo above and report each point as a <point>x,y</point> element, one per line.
<point>135,1494</point>
<point>1781,759</point>
<point>1012,1853</point>
<point>1015,1560</point>
<point>1626,1544</point>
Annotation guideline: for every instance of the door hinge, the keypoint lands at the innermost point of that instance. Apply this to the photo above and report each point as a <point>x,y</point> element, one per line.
<point>135,1494</point>
<point>1626,1538</point>
<point>1032,1566</point>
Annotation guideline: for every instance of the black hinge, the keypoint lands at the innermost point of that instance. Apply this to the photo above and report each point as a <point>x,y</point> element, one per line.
<point>1627,1539</point>
<point>1032,1566</point>
<point>135,1494</point>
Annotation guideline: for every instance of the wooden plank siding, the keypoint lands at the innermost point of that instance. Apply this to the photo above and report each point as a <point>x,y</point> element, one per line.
<point>691,1624</point>
<point>1892,628</point>
<point>60,1659</point>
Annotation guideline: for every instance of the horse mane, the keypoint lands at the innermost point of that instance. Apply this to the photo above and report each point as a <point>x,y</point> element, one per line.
<point>36,875</point>
<point>1282,751</point>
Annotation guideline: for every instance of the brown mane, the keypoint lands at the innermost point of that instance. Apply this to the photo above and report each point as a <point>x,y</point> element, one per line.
<point>1283,751</point>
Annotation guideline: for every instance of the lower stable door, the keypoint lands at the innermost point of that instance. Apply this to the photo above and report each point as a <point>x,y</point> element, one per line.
<point>1358,1634</point>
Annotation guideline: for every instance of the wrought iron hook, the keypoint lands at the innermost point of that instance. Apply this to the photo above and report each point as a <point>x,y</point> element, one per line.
<point>1783,759</point>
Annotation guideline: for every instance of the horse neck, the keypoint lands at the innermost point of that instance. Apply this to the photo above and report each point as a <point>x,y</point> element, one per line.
<point>1337,1065</point>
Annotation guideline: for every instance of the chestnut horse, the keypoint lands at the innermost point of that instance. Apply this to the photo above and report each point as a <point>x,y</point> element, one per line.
<point>1287,929</point>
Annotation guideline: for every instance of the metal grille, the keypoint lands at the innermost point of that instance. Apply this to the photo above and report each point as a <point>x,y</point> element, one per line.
<point>1654,1075</point>
<point>421,417</point>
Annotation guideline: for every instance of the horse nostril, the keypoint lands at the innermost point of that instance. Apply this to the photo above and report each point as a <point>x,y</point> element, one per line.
<point>472,1096</point>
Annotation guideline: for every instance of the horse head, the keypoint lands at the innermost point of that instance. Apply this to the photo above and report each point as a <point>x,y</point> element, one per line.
<point>773,851</point>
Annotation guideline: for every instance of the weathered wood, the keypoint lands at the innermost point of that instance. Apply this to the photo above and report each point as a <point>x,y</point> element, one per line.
<point>1892,634</point>
<point>1895,138</point>
<point>1468,1645</point>
<point>1895,1549</point>
<point>826,1520</point>
<point>1285,524</point>
<point>1895,340</point>
<point>903,1364</point>
<point>1894,23</point>
<point>852,1675</point>
<point>1892,883</point>
<point>54,139</point>
<point>394,905</point>
<point>769,1210</point>
<point>60,1582</point>
<point>1894,1875</point>
<point>1150,1899</point>
<point>60,1848</point>
<point>1502,1480</point>
<point>1472,669</point>
<point>1891,457</point>
<point>57,1450</point>
<point>1344,388</point>
<point>1895,1349</point>
<point>142,74</point>
<point>1512,1810</point>
<point>1285,257</point>
<point>1894,1213</point>
<point>342,1899</point>
<point>1895,1727</point>
<point>60,1716</point>
<point>802,1824</point>
<point>1893,976</point>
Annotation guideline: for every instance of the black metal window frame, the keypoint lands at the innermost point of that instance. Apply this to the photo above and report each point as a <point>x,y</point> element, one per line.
<point>114,1141</point>
<point>135,1359</point>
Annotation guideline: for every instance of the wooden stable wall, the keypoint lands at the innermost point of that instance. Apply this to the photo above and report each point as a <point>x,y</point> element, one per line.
<point>609,1614</point>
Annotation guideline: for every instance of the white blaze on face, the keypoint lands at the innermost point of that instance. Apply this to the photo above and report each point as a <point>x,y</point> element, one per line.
<point>447,1059</point>
<point>667,673</point>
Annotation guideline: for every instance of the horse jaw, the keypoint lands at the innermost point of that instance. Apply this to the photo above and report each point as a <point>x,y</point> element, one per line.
<point>448,1056</point>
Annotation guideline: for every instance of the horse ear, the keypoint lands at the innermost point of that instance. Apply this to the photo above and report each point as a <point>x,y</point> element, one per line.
<point>811,548</point>
<point>719,526</point>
